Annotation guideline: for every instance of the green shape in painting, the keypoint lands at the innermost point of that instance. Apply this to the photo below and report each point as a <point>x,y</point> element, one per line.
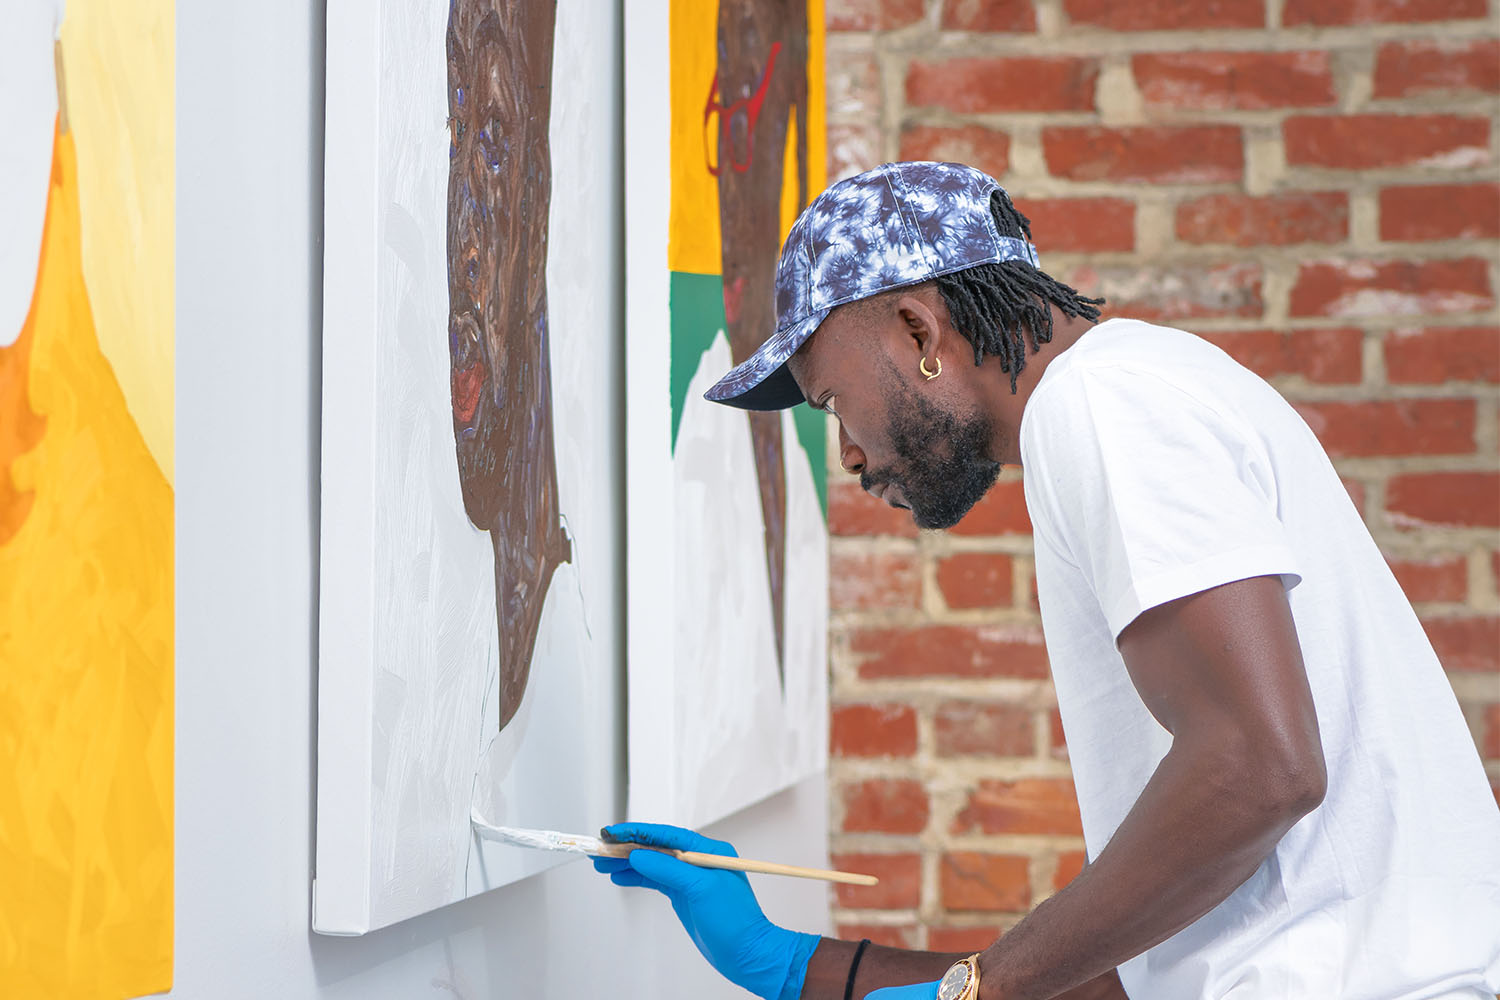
<point>697,308</point>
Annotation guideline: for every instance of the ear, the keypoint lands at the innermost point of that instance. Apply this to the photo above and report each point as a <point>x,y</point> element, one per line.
<point>920,326</point>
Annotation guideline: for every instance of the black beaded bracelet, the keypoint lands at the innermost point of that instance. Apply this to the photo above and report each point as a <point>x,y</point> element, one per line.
<point>854,967</point>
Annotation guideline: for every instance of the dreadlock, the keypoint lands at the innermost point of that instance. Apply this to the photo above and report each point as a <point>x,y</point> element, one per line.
<point>991,304</point>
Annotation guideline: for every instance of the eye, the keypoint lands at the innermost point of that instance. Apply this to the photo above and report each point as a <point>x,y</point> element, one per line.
<point>827,405</point>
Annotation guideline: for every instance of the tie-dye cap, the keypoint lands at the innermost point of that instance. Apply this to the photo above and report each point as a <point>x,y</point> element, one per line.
<point>899,224</point>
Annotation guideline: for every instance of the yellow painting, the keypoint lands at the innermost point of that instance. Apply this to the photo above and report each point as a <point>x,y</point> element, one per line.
<point>86,502</point>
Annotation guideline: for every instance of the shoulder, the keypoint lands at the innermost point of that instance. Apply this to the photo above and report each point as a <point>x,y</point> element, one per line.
<point>1126,365</point>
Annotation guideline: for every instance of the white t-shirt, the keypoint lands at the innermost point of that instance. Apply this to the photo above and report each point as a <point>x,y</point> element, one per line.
<point>1156,467</point>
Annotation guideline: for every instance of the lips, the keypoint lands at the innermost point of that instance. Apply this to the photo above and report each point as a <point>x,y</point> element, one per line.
<point>467,385</point>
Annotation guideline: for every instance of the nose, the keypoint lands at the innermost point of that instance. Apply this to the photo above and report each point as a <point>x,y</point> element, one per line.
<point>851,459</point>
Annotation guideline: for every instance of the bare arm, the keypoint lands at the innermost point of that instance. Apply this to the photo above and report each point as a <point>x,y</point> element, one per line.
<point>828,972</point>
<point>1222,671</point>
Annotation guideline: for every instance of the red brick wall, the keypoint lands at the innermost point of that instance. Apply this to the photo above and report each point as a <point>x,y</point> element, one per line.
<point>1309,183</point>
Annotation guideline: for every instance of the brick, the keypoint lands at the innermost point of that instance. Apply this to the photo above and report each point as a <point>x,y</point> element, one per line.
<point>1393,427</point>
<point>852,149</point>
<point>1466,645</point>
<point>872,15</point>
<point>966,728</point>
<point>1368,142</point>
<point>1001,512</point>
<point>1454,499</point>
<point>1273,220</point>
<point>989,15</point>
<point>1234,80</point>
<point>890,936</point>
<point>852,512</point>
<point>1391,287</point>
<point>1356,491</point>
<point>972,880</point>
<point>1080,225</point>
<point>1440,212</point>
<point>1166,15</point>
<point>1069,865</point>
<point>1056,739</point>
<point>900,885</point>
<point>868,581</point>
<point>975,580</point>
<point>1331,12</point>
<point>885,805</point>
<point>1027,805</point>
<point>1428,355</point>
<point>1403,69</point>
<point>962,940</point>
<point>1176,291</point>
<point>1445,578</point>
<point>951,651</point>
<point>854,85</point>
<point>883,730</point>
<point>1011,83</point>
<point>1328,355</point>
<point>1165,154</point>
<point>1490,748</point>
<point>975,145</point>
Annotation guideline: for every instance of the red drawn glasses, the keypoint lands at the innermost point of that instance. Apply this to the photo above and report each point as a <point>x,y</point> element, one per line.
<point>749,107</point>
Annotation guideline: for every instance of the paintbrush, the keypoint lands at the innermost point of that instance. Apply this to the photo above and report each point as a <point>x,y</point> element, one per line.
<point>574,843</point>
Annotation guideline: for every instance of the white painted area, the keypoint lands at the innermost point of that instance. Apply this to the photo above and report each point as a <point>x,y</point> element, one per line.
<point>740,736</point>
<point>28,109</point>
<point>248,386</point>
<point>702,648</point>
<point>411,665</point>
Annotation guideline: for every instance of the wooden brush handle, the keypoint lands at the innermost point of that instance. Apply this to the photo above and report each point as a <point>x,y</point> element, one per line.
<point>743,864</point>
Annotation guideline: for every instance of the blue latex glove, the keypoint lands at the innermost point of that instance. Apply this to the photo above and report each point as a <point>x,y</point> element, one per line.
<point>918,991</point>
<point>717,908</point>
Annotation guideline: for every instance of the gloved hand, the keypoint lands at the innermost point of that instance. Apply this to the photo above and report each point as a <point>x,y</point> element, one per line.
<point>717,908</point>
<point>917,991</point>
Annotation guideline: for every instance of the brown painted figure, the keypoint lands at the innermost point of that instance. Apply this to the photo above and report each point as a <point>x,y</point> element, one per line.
<point>760,86</point>
<point>499,190</point>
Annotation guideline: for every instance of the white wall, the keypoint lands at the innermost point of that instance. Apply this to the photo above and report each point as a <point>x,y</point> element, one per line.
<point>249,367</point>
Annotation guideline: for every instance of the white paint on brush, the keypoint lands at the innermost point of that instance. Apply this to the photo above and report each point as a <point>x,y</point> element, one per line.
<point>542,840</point>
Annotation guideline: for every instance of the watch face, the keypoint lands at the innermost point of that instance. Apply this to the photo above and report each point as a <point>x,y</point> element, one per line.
<point>954,983</point>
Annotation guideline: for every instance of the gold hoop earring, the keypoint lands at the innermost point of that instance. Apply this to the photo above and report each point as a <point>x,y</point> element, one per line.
<point>922,367</point>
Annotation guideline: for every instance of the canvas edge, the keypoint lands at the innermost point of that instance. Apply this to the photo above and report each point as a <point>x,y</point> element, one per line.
<point>650,662</point>
<point>341,897</point>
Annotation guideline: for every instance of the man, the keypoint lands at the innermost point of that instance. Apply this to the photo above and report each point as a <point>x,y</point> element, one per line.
<point>1279,796</point>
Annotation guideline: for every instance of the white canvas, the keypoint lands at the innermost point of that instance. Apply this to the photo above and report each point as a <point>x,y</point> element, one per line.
<point>712,729</point>
<point>408,735</point>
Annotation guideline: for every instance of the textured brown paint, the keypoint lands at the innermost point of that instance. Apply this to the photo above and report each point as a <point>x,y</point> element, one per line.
<point>750,161</point>
<point>499,191</point>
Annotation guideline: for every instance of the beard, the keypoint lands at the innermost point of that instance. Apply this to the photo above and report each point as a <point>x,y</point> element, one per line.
<point>942,466</point>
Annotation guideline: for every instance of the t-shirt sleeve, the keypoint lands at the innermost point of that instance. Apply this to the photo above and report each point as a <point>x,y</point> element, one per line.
<point>1149,491</point>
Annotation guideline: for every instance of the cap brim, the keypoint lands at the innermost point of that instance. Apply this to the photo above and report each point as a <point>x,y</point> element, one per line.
<point>762,381</point>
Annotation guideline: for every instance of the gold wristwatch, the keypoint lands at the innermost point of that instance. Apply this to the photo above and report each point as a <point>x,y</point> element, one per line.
<point>961,982</point>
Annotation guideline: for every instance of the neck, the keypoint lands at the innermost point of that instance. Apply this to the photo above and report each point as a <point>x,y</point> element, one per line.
<point>1006,407</point>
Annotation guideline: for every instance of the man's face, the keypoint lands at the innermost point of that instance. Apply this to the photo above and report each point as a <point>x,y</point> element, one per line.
<point>917,449</point>
<point>498,191</point>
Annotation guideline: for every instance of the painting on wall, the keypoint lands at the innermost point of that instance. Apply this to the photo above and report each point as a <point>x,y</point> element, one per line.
<point>86,499</point>
<point>727,509</point>
<point>469,610</point>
